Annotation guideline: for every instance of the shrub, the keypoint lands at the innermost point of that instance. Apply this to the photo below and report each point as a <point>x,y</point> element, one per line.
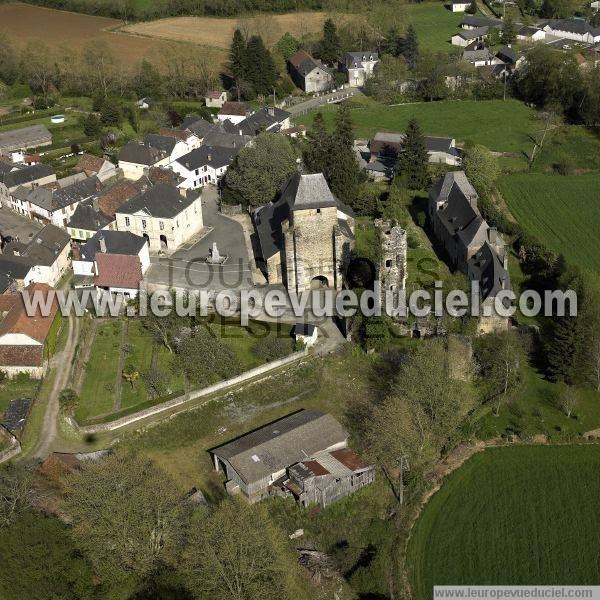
<point>272,348</point>
<point>564,166</point>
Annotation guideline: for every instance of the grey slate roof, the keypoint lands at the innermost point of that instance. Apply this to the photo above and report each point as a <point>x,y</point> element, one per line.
<point>214,156</point>
<point>44,247</point>
<point>262,119</point>
<point>51,200</point>
<point>163,143</point>
<point>474,21</point>
<point>220,137</point>
<point>477,55</point>
<point>25,137</point>
<point>508,55</point>
<point>488,268</point>
<point>470,34</point>
<point>86,216</point>
<point>280,444</point>
<point>573,25</point>
<point>140,154</point>
<point>24,175</point>
<point>300,192</point>
<point>353,60</point>
<point>162,201</point>
<point>117,242</point>
<point>306,329</point>
<point>198,125</point>
<point>14,267</point>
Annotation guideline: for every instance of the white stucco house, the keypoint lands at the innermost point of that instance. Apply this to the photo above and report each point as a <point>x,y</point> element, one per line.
<point>575,29</point>
<point>466,37</point>
<point>215,98</point>
<point>459,6</point>
<point>358,66</point>
<point>205,165</point>
<point>165,215</point>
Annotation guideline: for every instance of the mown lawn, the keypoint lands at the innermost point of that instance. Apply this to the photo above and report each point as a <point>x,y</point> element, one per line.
<point>503,126</point>
<point>97,394</point>
<point>561,211</point>
<point>510,516</point>
<point>435,25</point>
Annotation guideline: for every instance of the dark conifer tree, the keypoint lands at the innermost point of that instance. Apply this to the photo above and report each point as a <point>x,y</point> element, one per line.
<point>260,67</point>
<point>237,60</point>
<point>410,47</point>
<point>330,45</point>
<point>344,130</point>
<point>413,159</point>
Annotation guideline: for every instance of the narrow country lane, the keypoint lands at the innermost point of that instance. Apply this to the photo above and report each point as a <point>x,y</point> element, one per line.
<point>62,363</point>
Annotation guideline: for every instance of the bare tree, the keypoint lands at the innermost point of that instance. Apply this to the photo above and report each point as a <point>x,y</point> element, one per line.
<point>568,400</point>
<point>17,491</point>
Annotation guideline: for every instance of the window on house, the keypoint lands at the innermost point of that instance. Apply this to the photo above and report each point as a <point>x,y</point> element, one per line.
<point>318,210</point>
<point>143,224</point>
<point>388,263</point>
<point>196,171</point>
<point>127,221</point>
<point>161,225</point>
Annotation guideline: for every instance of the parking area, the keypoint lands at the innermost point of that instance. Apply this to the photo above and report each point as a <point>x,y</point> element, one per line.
<point>17,226</point>
<point>187,268</point>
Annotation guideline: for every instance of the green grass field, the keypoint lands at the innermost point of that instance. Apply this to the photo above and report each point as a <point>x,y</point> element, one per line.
<point>435,25</point>
<point>563,212</point>
<point>501,126</point>
<point>516,515</point>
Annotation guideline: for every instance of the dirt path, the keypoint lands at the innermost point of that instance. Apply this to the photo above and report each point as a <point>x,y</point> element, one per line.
<point>119,379</point>
<point>85,352</point>
<point>63,363</point>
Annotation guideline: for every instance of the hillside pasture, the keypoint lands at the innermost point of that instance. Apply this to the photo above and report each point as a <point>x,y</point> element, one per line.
<point>503,126</point>
<point>561,211</point>
<point>519,515</point>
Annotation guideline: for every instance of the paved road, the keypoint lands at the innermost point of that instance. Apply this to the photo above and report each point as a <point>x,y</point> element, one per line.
<point>186,268</point>
<point>303,107</point>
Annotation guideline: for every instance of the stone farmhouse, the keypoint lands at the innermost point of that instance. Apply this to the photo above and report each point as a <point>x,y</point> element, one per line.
<point>578,30</point>
<point>304,455</point>
<point>473,247</point>
<point>358,66</point>
<point>13,176</point>
<point>306,236</point>
<point>33,136</point>
<point>47,253</point>
<point>164,215</point>
<point>26,343</point>
<point>308,73</point>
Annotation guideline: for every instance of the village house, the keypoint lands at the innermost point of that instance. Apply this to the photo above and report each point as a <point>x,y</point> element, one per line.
<point>47,252</point>
<point>27,342</point>
<point>235,112</point>
<point>306,236</point>
<point>466,37</point>
<point>480,56</point>
<point>54,204</point>
<point>269,118</point>
<point>530,34</point>
<point>94,165</point>
<point>308,73</point>
<point>13,176</point>
<point>385,147</point>
<point>170,145</point>
<point>203,166</point>
<point>135,158</point>
<point>117,274</point>
<point>98,212</point>
<point>15,271</point>
<point>306,334</point>
<point>33,136</point>
<point>164,215</point>
<point>279,458</point>
<point>108,243</point>
<point>358,66</point>
<point>459,5</point>
<point>575,29</point>
<point>476,22</point>
<point>215,98</point>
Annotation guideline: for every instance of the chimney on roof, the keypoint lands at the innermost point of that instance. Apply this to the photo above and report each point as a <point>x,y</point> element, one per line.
<point>209,157</point>
<point>102,243</point>
<point>271,111</point>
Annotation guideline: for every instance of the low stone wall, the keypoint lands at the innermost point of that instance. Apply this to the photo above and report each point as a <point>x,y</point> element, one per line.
<point>194,395</point>
<point>231,209</point>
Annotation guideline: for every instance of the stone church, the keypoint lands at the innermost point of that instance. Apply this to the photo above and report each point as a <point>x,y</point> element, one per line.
<point>305,237</point>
